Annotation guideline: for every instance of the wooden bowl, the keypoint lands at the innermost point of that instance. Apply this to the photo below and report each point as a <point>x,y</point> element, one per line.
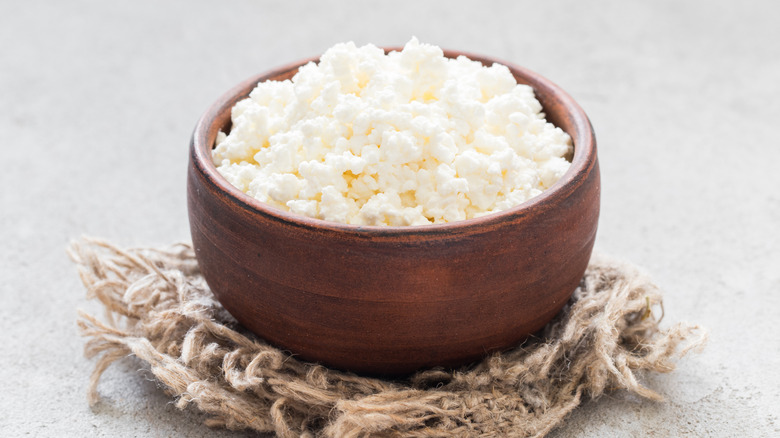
<point>391,300</point>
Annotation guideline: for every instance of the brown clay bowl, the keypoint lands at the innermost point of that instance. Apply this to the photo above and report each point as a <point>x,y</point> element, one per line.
<point>391,300</point>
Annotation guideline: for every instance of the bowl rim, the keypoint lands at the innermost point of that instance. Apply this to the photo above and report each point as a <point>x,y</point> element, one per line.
<point>583,160</point>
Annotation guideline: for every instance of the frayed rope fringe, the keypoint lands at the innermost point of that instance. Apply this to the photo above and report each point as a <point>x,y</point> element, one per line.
<point>159,308</point>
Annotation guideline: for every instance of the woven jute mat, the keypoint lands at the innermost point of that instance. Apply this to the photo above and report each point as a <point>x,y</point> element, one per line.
<point>159,309</point>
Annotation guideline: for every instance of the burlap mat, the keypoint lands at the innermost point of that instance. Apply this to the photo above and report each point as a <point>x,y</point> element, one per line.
<point>159,309</point>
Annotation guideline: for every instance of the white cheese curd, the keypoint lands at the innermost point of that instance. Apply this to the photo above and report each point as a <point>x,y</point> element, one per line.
<point>407,138</point>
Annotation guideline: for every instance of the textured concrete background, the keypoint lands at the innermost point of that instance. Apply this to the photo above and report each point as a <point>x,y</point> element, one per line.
<point>99,99</point>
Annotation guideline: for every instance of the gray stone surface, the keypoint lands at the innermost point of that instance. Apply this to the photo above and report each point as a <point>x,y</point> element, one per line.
<point>99,99</point>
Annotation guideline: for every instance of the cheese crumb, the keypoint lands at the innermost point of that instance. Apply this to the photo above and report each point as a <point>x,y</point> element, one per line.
<point>405,138</point>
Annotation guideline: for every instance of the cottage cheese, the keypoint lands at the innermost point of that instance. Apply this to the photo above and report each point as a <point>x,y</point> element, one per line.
<point>407,138</point>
